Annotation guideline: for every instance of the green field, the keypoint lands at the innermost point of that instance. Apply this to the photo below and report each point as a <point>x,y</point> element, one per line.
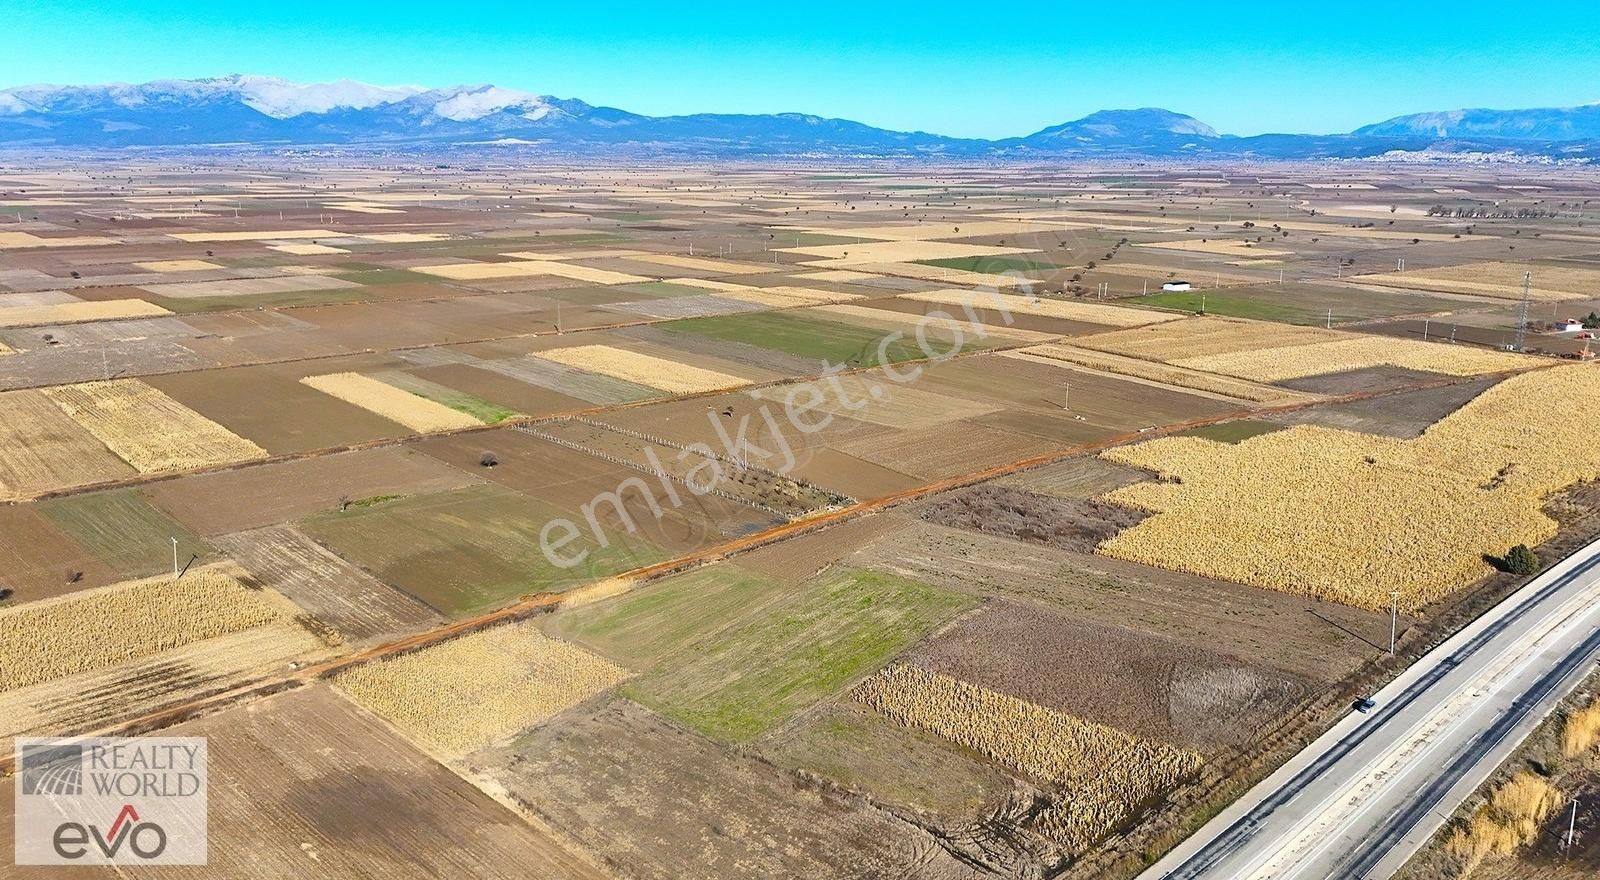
<point>189,305</point>
<point>994,265</point>
<point>745,679</point>
<point>1232,432</point>
<point>808,337</point>
<point>469,549</point>
<point>1295,303</point>
<point>124,531</point>
<point>379,275</point>
<point>643,627</point>
<point>485,411</point>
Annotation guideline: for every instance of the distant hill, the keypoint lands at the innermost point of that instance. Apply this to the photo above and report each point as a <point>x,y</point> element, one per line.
<point>1552,124</point>
<point>270,113</point>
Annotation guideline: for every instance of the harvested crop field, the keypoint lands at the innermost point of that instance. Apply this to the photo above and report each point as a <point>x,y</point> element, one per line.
<point>864,751</point>
<point>669,376</point>
<point>1195,380</point>
<point>58,637</point>
<point>412,410</point>
<point>304,784</point>
<point>1350,517</point>
<point>788,654</point>
<point>1142,684</point>
<point>1075,478</point>
<point>1103,774</point>
<point>1044,519</point>
<point>41,448</point>
<point>749,818</point>
<point>1277,363</point>
<point>280,492</point>
<point>351,602</point>
<point>1499,280</point>
<point>468,549</point>
<point>1305,638</point>
<point>1403,415</point>
<point>471,691</point>
<point>148,429</point>
<point>268,405</point>
<point>947,450</point>
<point>75,312</point>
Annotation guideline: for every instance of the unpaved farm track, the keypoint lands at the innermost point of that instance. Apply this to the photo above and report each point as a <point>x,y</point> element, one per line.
<point>545,602</point>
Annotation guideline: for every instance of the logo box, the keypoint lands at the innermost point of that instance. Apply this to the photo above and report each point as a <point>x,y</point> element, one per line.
<point>111,801</point>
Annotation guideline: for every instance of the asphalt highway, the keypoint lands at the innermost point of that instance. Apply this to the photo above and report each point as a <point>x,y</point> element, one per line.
<point>1363,798</point>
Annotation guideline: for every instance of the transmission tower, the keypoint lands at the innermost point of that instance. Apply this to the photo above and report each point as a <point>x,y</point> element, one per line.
<point>1522,312</point>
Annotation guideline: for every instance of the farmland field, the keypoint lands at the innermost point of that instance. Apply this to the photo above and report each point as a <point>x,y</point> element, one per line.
<point>1024,611</point>
<point>1468,488</point>
<point>465,549</point>
<point>783,656</point>
<point>813,338</point>
<point>636,819</point>
<point>471,691</point>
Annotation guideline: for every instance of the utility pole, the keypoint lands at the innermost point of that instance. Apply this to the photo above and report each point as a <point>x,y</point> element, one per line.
<point>1330,319</point>
<point>1572,825</point>
<point>1522,312</point>
<point>1394,620</point>
<point>174,558</point>
<point>1425,323</point>
<point>1066,395</point>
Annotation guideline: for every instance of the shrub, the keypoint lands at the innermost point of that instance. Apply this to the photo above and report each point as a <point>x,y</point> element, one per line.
<point>1522,561</point>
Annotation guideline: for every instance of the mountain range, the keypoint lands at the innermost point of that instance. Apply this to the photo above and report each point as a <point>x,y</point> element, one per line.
<point>269,113</point>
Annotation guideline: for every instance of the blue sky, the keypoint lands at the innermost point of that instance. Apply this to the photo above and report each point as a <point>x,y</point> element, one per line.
<point>969,69</point>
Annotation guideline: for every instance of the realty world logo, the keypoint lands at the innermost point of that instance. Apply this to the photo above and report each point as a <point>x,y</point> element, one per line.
<point>111,801</point>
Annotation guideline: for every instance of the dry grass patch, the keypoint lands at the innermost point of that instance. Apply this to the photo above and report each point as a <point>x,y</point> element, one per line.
<point>255,236</point>
<point>306,250</point>
<point>53,638</point>
<point>148,429</point>
<point>1067,310</point>
<point>1509,821</point>
<point>721,267</point>
<point>1354,353</point>
<point>77,312</point>
<point>1103,773</point>
<point>395,404</point>
<point>669,376</point>
<point>1495,279</point>
<point>469,692</point>
<point>29,240</point>
<point>1581,731</point>
<point>1349,517</point>
<point>1211,383</point>
<point>178,266</point>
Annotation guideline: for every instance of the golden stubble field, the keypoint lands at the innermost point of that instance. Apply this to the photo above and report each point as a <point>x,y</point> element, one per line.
<point>1354,518</point>
<point>469,692</point>
<point>1102,773</point>
<point>148,429</point>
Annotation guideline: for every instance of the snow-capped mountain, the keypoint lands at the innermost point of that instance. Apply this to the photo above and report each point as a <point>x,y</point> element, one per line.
<point>267,112</point>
